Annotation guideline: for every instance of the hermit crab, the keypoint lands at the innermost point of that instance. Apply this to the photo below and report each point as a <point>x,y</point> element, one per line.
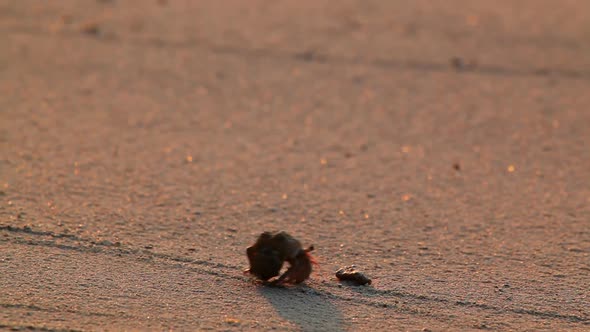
<point>267,255</point>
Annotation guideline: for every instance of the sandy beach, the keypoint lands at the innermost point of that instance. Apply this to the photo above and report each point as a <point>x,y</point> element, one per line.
<point>441,147</point>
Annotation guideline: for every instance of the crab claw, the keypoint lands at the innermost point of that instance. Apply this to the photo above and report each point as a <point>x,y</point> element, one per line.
<point>299,270</point>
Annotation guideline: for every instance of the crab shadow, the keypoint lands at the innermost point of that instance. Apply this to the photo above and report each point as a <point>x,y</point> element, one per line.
<point>305,307</point>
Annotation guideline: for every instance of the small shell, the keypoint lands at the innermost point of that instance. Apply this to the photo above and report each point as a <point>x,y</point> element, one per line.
<point>349,273</point>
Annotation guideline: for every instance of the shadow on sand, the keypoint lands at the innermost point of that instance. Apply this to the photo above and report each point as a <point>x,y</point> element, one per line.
<point>305,307</point>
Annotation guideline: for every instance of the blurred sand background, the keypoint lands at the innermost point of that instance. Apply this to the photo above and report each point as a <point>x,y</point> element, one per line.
<point>441,146</point>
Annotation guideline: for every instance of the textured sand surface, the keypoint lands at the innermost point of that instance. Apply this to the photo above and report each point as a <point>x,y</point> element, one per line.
<point>442,148</point>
